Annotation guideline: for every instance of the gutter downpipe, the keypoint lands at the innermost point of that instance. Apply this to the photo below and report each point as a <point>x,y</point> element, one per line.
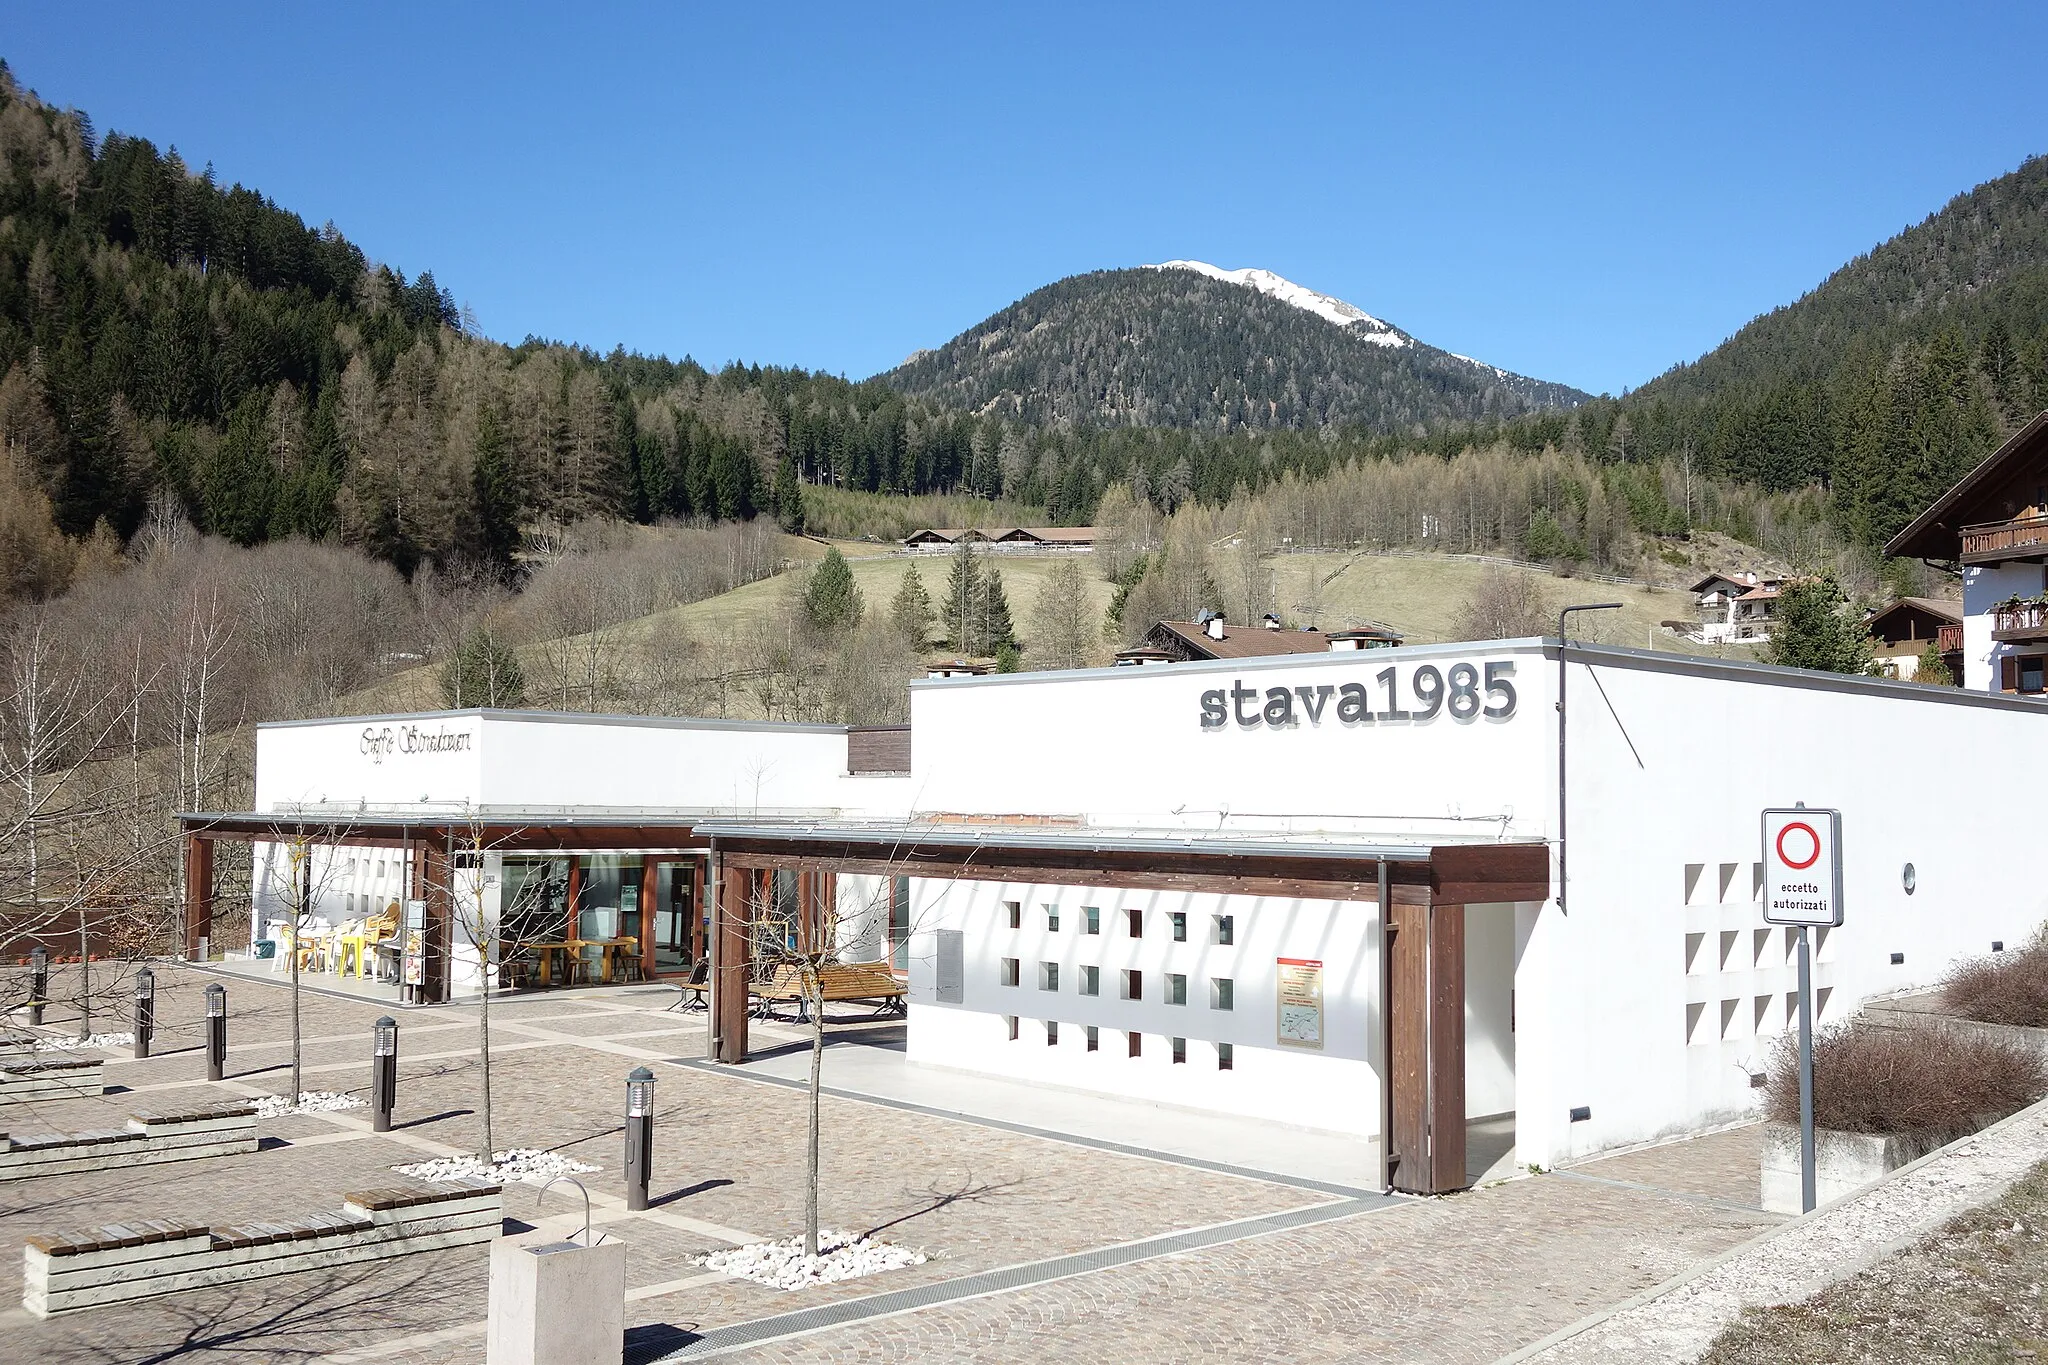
<point>1382,1049</point>
<point>1562,644</point>
<point>714,888</point>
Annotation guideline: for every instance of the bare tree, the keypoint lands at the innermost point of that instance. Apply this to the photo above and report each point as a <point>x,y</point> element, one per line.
<point>1507,604</point>
<point>1063,619</point>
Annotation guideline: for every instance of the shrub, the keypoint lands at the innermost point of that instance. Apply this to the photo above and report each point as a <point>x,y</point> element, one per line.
<point>1872,1078</point>
<point>2009,988</point>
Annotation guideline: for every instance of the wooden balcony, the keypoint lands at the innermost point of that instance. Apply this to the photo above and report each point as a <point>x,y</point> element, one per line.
<point>2024,538</point>
<point>2023,623</point>
<point>1949,640</point>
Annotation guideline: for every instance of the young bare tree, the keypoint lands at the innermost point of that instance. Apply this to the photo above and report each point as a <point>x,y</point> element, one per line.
<point>1063,619</point>
<point>1507,604</point>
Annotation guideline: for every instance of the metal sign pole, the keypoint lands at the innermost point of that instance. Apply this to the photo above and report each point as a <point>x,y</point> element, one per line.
<point>1806,1176</point>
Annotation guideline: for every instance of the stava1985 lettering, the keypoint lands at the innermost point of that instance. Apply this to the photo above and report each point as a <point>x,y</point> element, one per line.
<point>1464,691</point>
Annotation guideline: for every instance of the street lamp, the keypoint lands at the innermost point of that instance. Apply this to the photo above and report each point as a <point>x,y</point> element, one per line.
<point>145,1009</point>
<point>38,982</point>
<point>383,1073</point>
<point>1562,643</point>
<point>639,1135</point>
<point>216,1030</point>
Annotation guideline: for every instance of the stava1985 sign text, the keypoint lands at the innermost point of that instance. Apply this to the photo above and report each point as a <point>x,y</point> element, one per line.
<point>1464,692</point>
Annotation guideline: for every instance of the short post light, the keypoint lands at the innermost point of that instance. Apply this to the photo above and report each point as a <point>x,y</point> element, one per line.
<point>383,1074</point>
<point>639,1136</point>
<point>38,983</point>
<point>145,1009</point>
<point>216,1030</point>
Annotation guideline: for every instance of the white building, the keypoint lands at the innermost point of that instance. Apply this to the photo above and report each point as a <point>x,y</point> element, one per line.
<point>1735,608</point>
<point>1994,524</point>
<point>1180,883</point>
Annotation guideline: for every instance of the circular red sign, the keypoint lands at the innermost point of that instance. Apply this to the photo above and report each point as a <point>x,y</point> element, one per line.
<point>1786,858</point>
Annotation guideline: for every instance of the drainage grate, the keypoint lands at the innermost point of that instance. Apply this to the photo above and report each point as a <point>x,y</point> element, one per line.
<point>722,1339</point>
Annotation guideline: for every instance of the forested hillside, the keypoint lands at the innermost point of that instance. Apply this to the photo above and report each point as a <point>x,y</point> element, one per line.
<point>1887,382</point>
<point>1173,348</point>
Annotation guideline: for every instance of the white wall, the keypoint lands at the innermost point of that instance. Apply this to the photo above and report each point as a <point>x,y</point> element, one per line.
<point>1984,586</point>
<point>1490,952</point>
<point>521,760</point>
<point>1335,1089</point>
<point>1659,994</point>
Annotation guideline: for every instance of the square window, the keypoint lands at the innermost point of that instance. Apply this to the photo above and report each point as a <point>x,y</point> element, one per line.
<point>1224,1056</point>
<point>1094,919</point>
<point>1136,919</point>
<point>1180,926</point>
<point>2031,672</point>
<point>1134,985</point>
<point>1048,976</point>
<point>1222,993</point>
<point>1009,971</point>
<point>1136,1042</point>
<point>1015,910</point>
<point>1226,929</point>
<point>1091,981</point>
<point>1176,988</point>
<point>1094,1039</point>
<point>1052,1033</point>
<point>1011,1019</point>
<point>1180,1051</point>
<point>1052,919</point>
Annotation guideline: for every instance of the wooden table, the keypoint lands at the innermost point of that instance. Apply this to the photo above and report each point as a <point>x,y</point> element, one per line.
<point>545,953</point>
<point>611,947</point>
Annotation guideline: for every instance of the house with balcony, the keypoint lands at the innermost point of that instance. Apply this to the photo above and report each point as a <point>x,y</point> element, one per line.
<point>1735,608</point>
<point>1994,525</point>
<point>1901,632</point>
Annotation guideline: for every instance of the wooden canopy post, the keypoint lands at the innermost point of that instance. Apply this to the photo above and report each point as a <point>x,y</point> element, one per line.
<point>434,935</point>
<point>198,893</point>
<point>1426,1028</point>
<point>650,871</point>
<point>731,962</point>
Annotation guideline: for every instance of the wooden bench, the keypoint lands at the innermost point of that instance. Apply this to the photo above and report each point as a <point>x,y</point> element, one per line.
<point>844,982</point>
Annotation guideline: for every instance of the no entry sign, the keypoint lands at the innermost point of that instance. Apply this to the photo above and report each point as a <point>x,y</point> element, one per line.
<point>1803,867</point>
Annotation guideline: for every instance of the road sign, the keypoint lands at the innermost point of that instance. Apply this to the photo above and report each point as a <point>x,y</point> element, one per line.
<point>1803,867</point>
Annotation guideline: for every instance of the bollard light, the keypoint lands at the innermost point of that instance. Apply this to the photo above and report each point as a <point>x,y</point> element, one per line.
<point>383,1073</point>
<point>145,1009</point>
<point>639,1136</point>
<point>38,982</point>
<point>216,1030</point>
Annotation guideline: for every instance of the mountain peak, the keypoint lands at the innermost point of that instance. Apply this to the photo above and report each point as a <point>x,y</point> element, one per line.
<point>1324,306</point>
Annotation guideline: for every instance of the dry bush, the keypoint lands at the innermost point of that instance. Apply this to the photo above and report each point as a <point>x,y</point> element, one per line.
<point>2009,988</point>
<point>1871,1078</point>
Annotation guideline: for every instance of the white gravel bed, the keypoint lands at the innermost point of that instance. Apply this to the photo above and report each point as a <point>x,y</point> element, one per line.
<point>783,1265</point>
<point>90,1041</point>
<point>310,1102</point>
<point>1677,1321</point>
<point>528,1164</point>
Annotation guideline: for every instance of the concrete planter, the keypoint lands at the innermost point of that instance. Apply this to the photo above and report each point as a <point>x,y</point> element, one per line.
<point>1843,1162</point>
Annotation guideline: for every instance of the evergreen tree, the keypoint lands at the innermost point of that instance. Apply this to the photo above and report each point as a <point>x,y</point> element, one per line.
<point>789,496</point>
<point>483,672</point>
<point>1932,669</point>
<point>832,601</point>
<point>963,596</point>
<point>996,630</point>
<point>1815,629</point>
<point>499,501</point>
<point>911,611</point>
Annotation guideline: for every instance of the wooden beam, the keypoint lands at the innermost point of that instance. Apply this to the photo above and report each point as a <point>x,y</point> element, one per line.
<point>436,934</point>
<point>1447,1048</point>
<point>1482,874</point>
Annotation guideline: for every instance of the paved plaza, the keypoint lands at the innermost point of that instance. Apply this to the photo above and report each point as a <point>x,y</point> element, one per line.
<point>1042,1246</point>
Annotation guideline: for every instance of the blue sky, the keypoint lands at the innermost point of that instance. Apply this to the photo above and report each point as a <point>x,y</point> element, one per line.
<point>1587,195</point>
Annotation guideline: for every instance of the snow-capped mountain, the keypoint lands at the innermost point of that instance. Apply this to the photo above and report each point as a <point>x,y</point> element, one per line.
<point>1346,315</point>
<point>1189,344</point>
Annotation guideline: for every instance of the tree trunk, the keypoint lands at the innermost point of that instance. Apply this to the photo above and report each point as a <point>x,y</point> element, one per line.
<point>816,1000</point>
<point>483,1029</point>
<point>300,901</point>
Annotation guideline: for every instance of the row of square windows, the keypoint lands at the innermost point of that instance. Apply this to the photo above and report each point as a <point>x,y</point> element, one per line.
<point>1222,989</point>
<point>1222,928</point>
<point>1134,1042</point>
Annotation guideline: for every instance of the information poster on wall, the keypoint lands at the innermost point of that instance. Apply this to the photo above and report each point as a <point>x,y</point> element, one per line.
<point>1301,1002</point>
<point>415,968</point>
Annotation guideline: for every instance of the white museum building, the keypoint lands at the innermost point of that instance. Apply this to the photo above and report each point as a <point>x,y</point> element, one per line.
<point>1327,891</point>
